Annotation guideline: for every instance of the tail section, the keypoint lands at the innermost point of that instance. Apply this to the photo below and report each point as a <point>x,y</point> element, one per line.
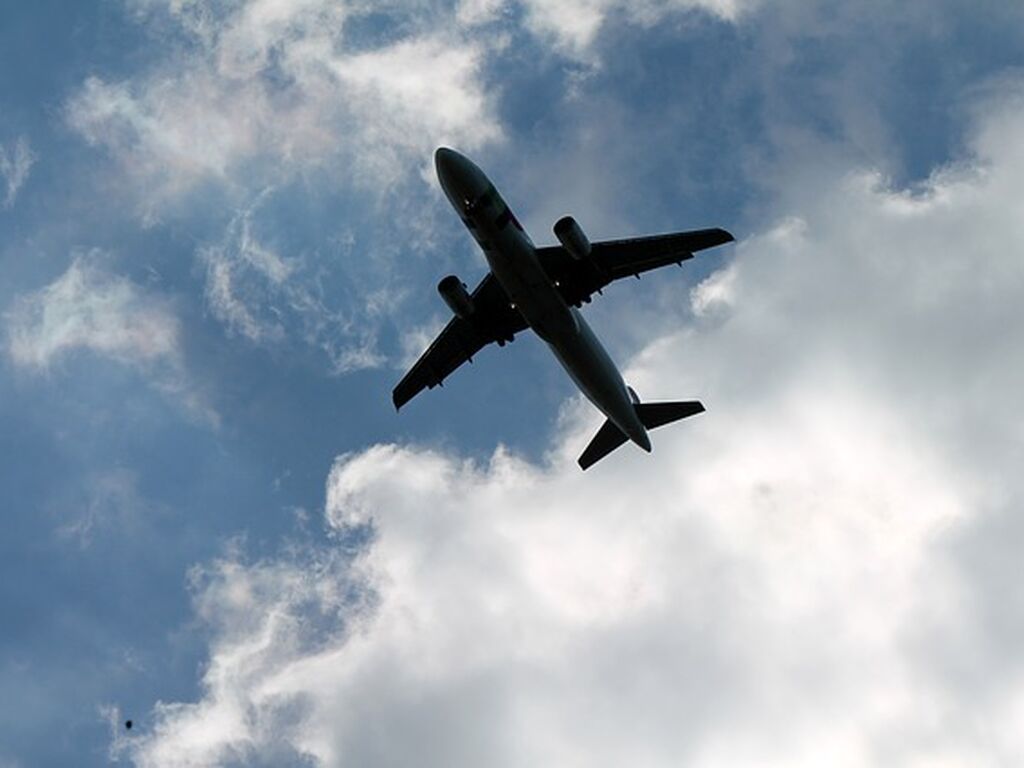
<point>608,438</point>
<point>652,415</point>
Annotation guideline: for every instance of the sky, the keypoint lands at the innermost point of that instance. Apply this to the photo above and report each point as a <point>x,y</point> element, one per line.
<point>220,234</point>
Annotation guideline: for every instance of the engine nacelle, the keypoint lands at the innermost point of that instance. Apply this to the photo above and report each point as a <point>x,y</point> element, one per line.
<point>455,295</point>
<point>572,238</point>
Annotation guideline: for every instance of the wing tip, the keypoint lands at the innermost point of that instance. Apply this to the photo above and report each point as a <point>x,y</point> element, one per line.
<point>399,399</point>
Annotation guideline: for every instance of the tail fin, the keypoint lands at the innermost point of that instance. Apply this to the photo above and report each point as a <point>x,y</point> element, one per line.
<point>608,438</point>
<point>652,415</point>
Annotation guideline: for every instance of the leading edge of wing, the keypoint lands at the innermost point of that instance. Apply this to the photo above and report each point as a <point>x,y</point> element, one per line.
<point>611,260</point>
<point>630,256</point>
<point>687,241</point>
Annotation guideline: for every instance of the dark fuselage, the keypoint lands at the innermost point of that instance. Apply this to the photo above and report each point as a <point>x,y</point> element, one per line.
<point>513,261</point>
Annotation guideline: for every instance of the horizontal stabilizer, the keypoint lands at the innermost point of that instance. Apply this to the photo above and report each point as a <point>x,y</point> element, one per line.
<point>608,438</point>
<point>654,415</point>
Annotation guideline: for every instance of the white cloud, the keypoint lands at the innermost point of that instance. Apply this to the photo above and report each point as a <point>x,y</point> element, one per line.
<point>573,25</point>
<point>241,255</point>
<point>416,339</point>
<point>778,583</point>
<point>16,163</point>
<point>270,89</point>
<point>90,309</point>
<point>268,298</point>
<point>262,94</point>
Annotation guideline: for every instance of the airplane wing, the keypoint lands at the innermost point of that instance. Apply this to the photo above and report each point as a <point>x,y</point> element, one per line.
<point>493,319</point>
<point>613,259</point>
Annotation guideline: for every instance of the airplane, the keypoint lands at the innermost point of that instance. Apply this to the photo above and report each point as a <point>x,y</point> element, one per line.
<point>542,289</point>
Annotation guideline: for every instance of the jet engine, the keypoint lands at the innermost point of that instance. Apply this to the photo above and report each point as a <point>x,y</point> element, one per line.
<point>572,238</point>
<point>455,295</point>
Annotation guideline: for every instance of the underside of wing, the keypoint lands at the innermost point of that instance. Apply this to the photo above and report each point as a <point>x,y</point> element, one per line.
<point>611,260</point>
<point>493,319</point>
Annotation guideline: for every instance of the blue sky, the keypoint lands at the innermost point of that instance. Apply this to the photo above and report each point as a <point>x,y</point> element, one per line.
<point>220,235</point>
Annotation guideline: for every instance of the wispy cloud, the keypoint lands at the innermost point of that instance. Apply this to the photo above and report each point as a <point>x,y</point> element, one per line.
<point>415,339</point>
<point>576,24</point>
<point>91,309</point>
<point>271,89</point>
<point>572,26</point>
<point>268,89</point>
<point>16,161</point>
<point>778,583</point>
<point>111,498</point>
<point>268,299</point>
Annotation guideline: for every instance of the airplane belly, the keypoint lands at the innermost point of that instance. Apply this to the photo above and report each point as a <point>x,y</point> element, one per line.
<point>597,376</point>
<point>515,265</point>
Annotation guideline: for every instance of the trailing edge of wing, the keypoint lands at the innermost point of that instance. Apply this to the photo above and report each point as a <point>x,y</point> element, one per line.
<point>493,319</point>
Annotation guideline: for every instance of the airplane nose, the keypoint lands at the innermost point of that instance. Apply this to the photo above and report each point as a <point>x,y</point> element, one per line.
<point>451,170</point>
<point>460,179</point>
<point>444,159</point>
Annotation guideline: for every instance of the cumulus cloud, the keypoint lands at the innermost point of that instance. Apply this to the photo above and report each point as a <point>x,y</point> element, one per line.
<point>779,583</point>
<point>90,309</point>
<point>16,163</point>
<point>265,89</point>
